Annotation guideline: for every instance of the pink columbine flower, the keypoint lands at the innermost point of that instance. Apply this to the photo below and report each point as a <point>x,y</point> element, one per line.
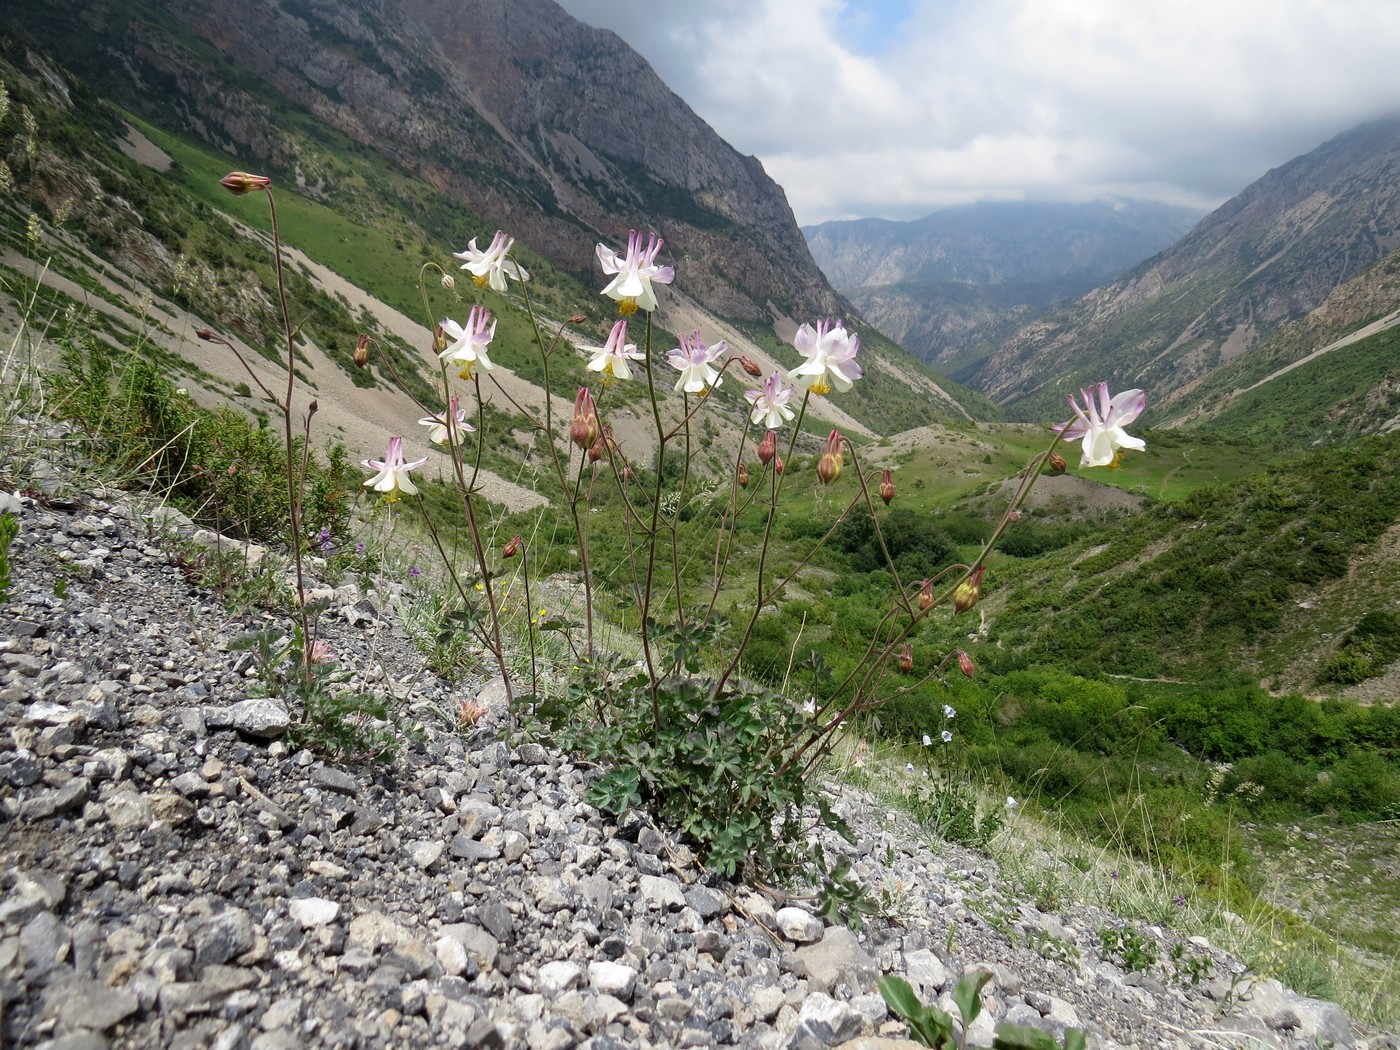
<point>694,360</point>
<point>439,432</point>
<point>392,479</point>
<point>467,349</point>
<point>1100,425</point>
<point>491,266</point>
<point>831,358</point>
<point>770,405</point>
<point>611,358</point>
<point>634,273</point>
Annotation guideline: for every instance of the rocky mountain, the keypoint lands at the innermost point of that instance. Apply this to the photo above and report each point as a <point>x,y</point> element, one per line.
<point>942,284</point>
<point>1267,257</point>
<point>556,130</point>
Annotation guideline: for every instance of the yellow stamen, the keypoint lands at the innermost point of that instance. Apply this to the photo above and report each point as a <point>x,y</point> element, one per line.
<point>821,388</point>
<point>466,371</point>
<point>627,307</point>
<point>480,280</point>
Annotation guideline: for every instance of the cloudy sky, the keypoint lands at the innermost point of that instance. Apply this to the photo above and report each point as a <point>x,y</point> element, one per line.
<point>895,108</point>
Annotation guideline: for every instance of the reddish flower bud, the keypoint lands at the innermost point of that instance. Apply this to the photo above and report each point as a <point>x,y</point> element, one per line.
<point>626,473</point>
<point>967,592</point>
<point>585,430</point>
<point>362,351</point>
<point>511,549</point>
<point>750,366</point>
<point>767,448</point>
<point>232,469</point>
<point>1013,516</point>
<point>904,659</point>
<point>1055,465</point>
<point>743,476</point>
<point>886,487</point>
<point>240,182</point>
<point>778,464</point>
<point>965,664</point>
<point>829,466</point>
<point>926,595</point>
<point>577,319</point>
<point>312,409</point>
<point>439,340</point>
<point>596,450</point>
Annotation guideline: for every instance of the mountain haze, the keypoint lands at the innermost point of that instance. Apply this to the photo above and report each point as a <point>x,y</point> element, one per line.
<point>961,276</point>
<point>1267,257</point>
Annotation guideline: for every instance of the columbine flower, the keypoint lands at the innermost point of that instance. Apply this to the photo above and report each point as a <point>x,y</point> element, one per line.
<point>439,433</point>
<point>611,358</point>
<point>584,431</point>
<point>810,707</point>
<point>467,348</point>
<point>886,487</point>
<point>393,479</point>
<point>767,448</point>
<point>831,358</point>
<point>1101,426</point>
<point>491,266</point>
<point>770,405</point>
<point>631,287</point>
<point>829,466</point>
<point>693,358</point>
<point>947,736</point>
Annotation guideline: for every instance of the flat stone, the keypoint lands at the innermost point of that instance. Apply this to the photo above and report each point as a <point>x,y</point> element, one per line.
<point>838,958</point>
<point>612,978</point>
<point>558,977</point>
<point>798,925</point>
<point>310,912</point>
<point>128,809</point>
<point>332,779</point>
<point>83,1004</point>
<point>661,893</point>
<point>829,1020</point>
<point>262,717</point>
<point>61,799</point>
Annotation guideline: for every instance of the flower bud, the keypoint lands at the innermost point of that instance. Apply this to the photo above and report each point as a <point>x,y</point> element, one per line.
<point>750,366</point>
<point>449,282</point>
<point>1055,465</point>
<point>240,182</point>
<point>361,351</point>
<point>743,476</point>
<point>829,466</point>
<point>767,448</point>
<point>511,549</point>
<point>886,487</point>
<point>205,334</point>
<point>926,594</point>
<point>577,319</point>
<point>596,450</point>
<point>439,340</point>
<point>904,659</point>
<point>1013,516</point>
<point>585,430</point>
<point>778,464</point>
<point>965,664</point>
<point>967,592</point>
<point>312,409</point>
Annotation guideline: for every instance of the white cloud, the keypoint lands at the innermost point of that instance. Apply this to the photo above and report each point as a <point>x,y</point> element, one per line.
<point>1185,100</point>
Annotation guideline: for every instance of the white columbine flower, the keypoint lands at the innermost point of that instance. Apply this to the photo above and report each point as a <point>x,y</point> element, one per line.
<point>491,266</point>
<point>634,273</point>
<point>831,358</point>
<point>439,433</point>
<point>694,360</point>
<point>770,405</point>
<point>468,347</point>
<point>611,358</point>
<point>392,479</point>
<point>1101,426</point>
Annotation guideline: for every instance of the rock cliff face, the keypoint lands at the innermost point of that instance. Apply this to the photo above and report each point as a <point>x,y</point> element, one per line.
<point>556,130</point>
<point>1264,258</point>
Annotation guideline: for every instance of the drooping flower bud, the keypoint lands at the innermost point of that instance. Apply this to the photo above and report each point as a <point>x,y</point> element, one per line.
<point>829,466</point>
<point>361,351</point>
<point>965,664</point>
<point>585,430</point>
<point>750,366</point>
<point>778,464</point>
<point>240,182</point>
<point>439,340</point>
<point>767,448</point>
<point>511,549</point>
<point>596,450</point>
<point>966,594</point>
<point>904,659</point>
<point>449,282</point>
<point>577,319</point>
<point>1013,516</point>
<point>743,476</point>
<point>926,594</point>
<point>886,487</point>
<point>1055,465</point>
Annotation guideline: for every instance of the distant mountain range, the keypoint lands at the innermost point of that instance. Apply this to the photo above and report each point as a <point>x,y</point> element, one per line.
<point>945,283</point>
